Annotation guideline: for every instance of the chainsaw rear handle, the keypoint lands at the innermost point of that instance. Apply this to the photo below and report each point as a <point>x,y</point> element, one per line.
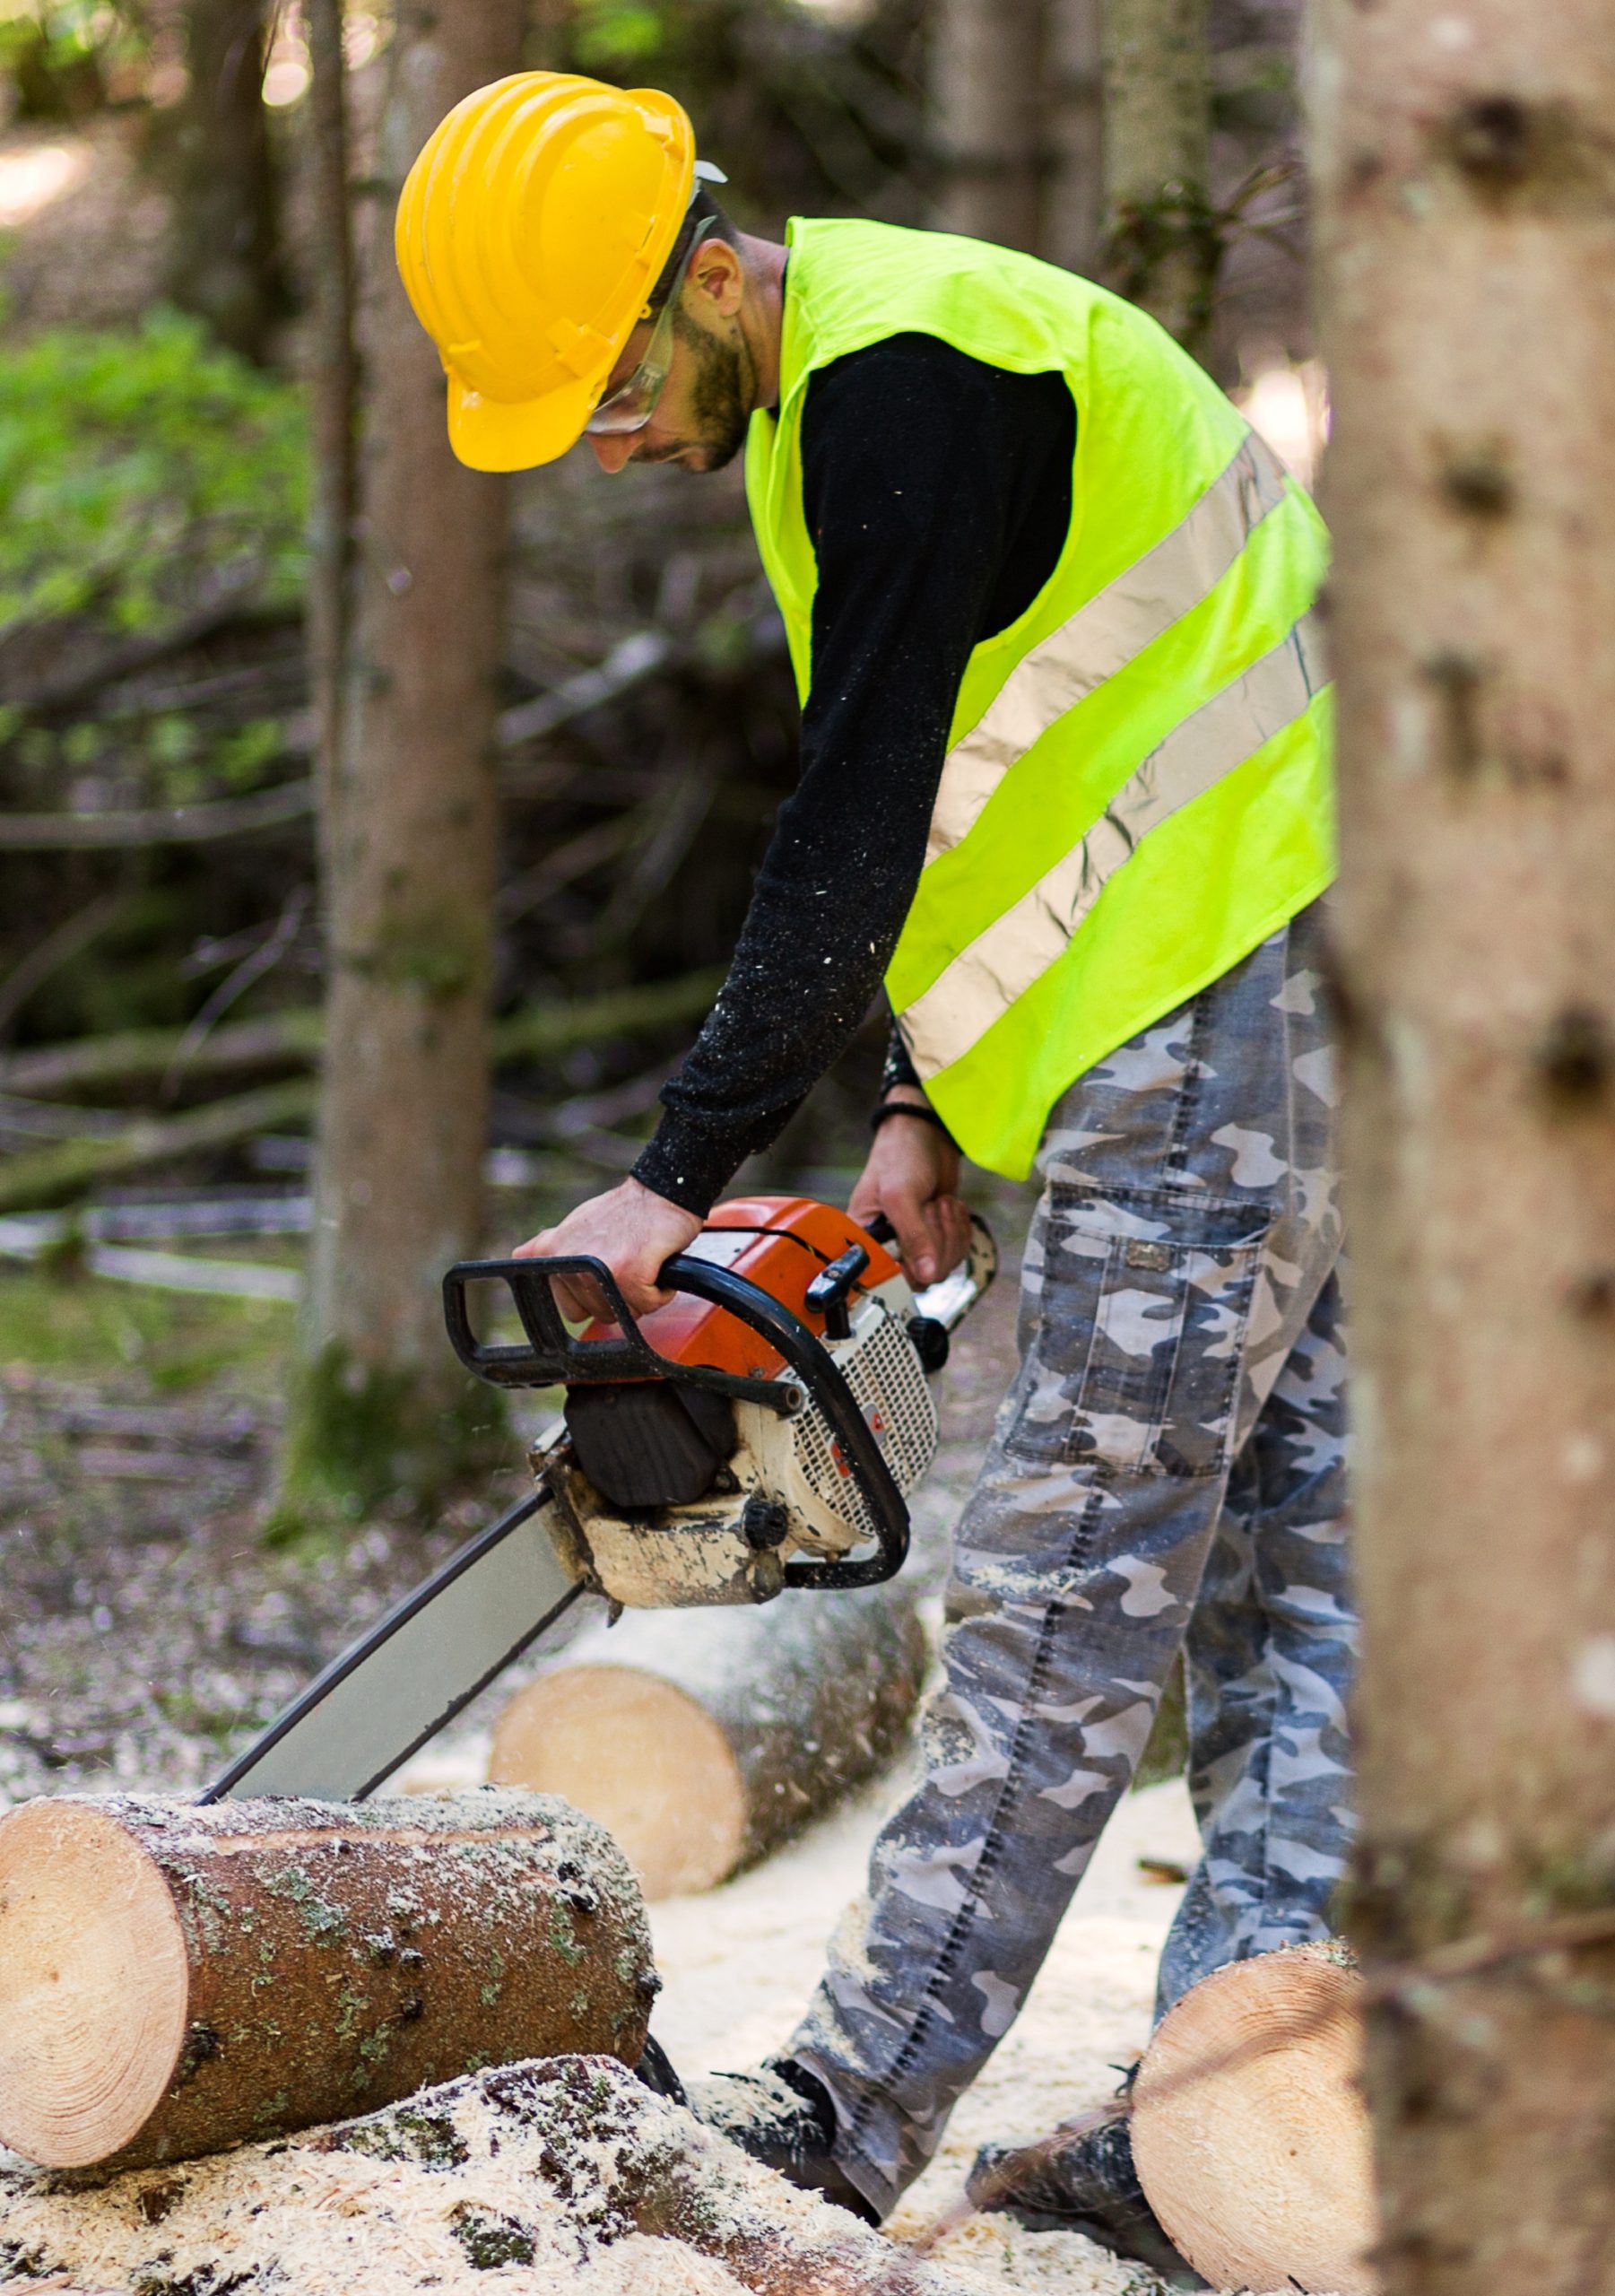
<point>555,1357</point>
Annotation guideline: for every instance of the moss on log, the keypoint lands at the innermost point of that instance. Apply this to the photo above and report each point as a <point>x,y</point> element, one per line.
<point>174,1979</point>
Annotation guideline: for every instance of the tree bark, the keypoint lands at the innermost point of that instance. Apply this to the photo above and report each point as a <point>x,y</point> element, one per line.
<point>1467,233</point>
<point>409,852</point>
<point>543,2165</point>
<point>702,1742</point>
<point>1073,184</point>
<point>335,383</point>
<point>223,260</point>
<point>175,1979</point>
<point>986,69</point>
<point>1162,251</point>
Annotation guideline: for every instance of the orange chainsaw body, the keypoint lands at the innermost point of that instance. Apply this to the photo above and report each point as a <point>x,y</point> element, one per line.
<point>781,1243</point>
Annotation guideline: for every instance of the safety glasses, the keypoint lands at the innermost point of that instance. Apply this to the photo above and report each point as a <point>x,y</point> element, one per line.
<point>632,404</point>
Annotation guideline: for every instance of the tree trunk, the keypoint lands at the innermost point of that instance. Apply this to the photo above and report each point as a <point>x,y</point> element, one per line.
<point>986,72</point>
<point>1162,251</point>
<point>409,853</point>
<point>541,2166</point>
<point>334,384</point>
<point>1468,295</point>
<point>1073,183</point>
<point>1249,2133</point>
<point>702,1742</point>
<point>223,256</point>
<point>175,1979</point>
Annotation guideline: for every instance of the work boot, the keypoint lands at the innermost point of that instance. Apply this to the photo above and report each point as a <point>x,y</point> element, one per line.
<point>783,2116</point>
<point>1084,2183</point>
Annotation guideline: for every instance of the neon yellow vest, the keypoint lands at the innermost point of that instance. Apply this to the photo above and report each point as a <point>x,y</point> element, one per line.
<point>1138,787</point>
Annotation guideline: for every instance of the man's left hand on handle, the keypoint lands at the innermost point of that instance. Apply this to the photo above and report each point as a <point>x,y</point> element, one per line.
<point>633,1231</point>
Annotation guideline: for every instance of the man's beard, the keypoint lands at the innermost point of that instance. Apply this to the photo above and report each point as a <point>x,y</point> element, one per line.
<point>721,393</point>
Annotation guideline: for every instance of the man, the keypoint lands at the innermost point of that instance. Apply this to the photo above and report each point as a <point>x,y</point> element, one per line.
<point>1065,787</point>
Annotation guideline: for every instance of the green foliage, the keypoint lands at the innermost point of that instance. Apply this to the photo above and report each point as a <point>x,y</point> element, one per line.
<point>61,55</point>
<point>139,471</point>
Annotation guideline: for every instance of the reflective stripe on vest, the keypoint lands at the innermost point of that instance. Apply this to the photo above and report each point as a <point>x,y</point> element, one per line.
<point>1137,789</point>
<point>1105,635</point>
<point>1002,963</point>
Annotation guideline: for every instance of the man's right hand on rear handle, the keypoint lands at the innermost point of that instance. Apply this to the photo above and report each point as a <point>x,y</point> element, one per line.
<point>912,1176</point>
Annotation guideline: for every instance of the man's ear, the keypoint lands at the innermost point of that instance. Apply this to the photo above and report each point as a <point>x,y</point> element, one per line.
<point>717,278</point>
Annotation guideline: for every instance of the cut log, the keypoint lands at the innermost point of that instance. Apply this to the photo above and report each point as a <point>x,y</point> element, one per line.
<point>702,1739</point>
<point>567,2169</point>
<point>1249,2130</point>
<point>174,1979</point>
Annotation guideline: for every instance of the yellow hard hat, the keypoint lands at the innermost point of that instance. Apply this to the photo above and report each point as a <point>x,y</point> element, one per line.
<point>530,232</point>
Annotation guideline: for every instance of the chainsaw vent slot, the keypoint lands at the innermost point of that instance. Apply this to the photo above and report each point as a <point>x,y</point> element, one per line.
<point>650,1442</point>
<point>889,1388</point>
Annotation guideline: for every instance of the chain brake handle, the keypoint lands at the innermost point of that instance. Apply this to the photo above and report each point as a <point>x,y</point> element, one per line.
<point>555,1357</point>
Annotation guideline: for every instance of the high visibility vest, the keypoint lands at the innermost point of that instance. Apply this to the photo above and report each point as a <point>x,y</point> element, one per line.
<point>1138,787</point>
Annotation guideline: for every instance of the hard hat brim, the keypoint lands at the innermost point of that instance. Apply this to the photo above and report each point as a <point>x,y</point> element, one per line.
<point>500,434</point>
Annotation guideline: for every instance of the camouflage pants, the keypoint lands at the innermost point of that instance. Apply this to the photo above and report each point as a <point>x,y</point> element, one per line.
<point>1166,1474</point>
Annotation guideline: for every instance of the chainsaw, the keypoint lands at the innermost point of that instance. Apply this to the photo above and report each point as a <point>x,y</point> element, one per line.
<point>756,1436</point>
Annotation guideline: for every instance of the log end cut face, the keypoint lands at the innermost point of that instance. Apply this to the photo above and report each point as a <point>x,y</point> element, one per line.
<point>640,1756</point>
<point>1250,2132</point>
<point>94,1984</point>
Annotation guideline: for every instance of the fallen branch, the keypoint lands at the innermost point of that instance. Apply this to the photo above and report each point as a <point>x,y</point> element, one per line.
<point>69,940</point>
<point>630,663</point>
<point>57,1174</point>
<point>228,605</point>
<point>289,801</point>
<point>298,1037</point>
<point>69,1169</point>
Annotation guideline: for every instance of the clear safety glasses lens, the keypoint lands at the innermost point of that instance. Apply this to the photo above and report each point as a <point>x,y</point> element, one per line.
<point>632,404</point>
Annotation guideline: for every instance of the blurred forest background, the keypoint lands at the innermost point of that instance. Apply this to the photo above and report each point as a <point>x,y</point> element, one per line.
<point>178,581</point>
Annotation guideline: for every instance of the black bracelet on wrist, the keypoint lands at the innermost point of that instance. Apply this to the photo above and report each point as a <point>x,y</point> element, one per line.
<point>889,1108</point>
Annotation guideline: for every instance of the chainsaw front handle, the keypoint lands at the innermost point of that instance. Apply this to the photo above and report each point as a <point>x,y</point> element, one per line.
<point>555,1357</point>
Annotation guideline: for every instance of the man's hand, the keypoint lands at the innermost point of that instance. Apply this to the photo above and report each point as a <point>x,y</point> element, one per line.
<point>912,1176</point>
<point>633,1231</point>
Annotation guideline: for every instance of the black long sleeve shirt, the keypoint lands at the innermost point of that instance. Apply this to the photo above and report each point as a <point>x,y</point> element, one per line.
<point>937,491</point>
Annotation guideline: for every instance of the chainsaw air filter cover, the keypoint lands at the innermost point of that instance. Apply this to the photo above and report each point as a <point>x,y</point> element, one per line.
<point>650,1442</point>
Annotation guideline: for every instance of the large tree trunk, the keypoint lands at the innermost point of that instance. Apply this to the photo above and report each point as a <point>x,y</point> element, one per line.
<point>223,257</point>
<point>1161,251</point>
<point>409,850</point>
<point>702,1740</point>
<point>987,74</point>
<point>1073,182</point>
<point>175,1979</point>
<point>546,2166</point>
<point>1015,97</point>
<point>334,385</point>
<point>1468,240</point>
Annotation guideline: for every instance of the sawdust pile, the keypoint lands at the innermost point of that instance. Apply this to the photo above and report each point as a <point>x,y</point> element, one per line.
<point>561,2175</point>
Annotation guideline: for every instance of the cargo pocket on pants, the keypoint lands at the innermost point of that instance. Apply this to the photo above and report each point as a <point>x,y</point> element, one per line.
<point>1146,1306</point>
